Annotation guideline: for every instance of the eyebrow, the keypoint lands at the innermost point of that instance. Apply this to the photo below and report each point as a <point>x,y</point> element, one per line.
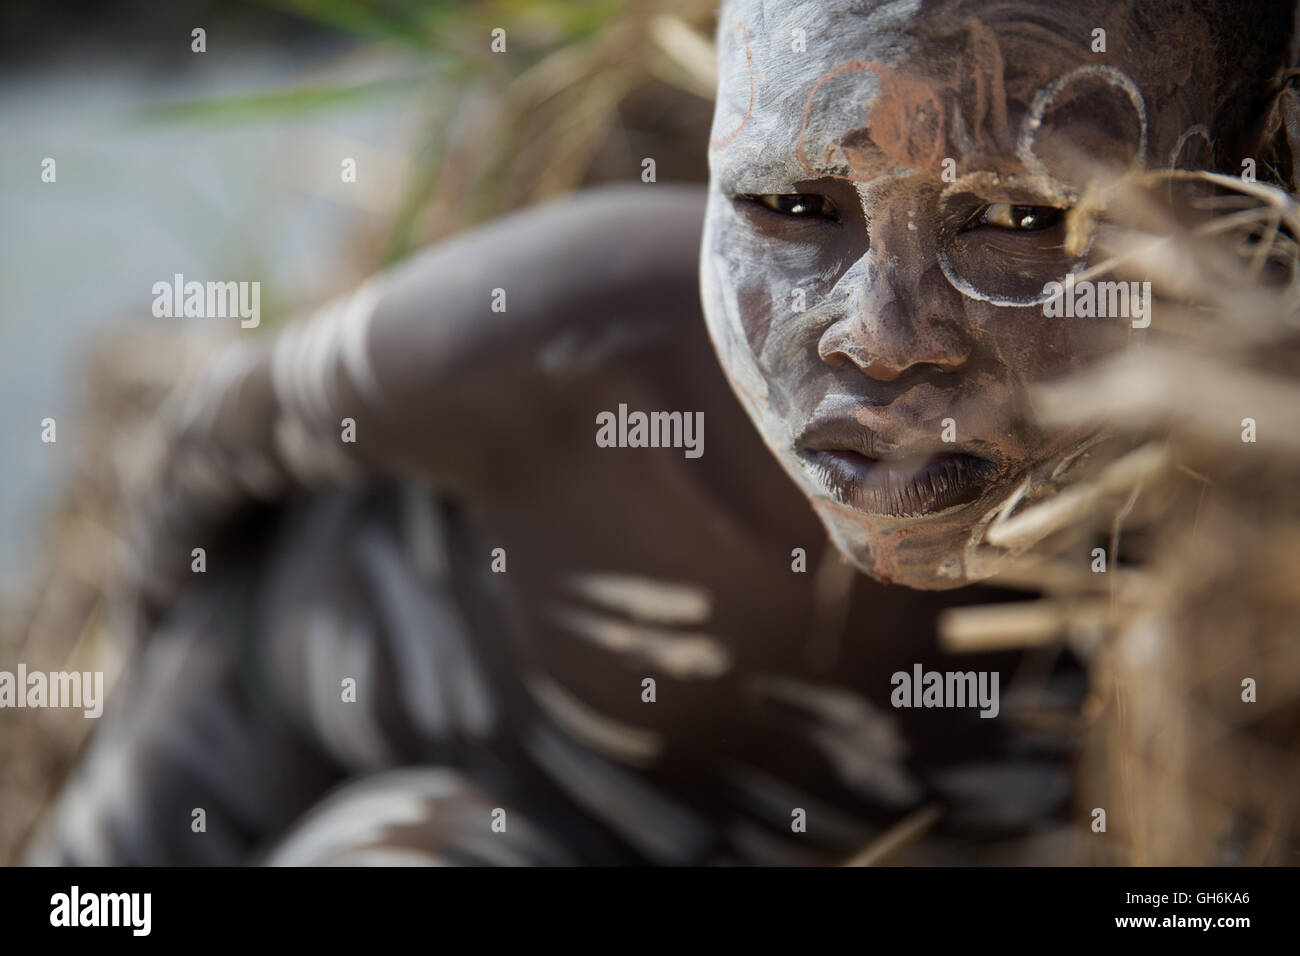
<point>775,175</point>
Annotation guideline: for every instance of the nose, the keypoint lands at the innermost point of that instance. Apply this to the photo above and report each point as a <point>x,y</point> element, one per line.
<point>890,325</point>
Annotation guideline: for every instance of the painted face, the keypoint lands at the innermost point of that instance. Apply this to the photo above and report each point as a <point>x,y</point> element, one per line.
<point>886,206</point>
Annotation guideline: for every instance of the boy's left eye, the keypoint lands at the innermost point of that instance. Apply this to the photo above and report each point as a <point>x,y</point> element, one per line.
<point>799,204</point>
<point>1003,215</point>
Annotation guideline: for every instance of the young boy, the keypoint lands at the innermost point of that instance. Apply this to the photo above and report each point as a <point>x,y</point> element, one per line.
<point>457,563</point>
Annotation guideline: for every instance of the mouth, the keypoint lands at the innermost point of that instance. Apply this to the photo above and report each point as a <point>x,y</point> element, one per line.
<point>901,486</point>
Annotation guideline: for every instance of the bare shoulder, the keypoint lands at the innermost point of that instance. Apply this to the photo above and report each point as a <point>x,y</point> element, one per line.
<point>506,336</point>
<point>499,340</point>
<point>615,254</point>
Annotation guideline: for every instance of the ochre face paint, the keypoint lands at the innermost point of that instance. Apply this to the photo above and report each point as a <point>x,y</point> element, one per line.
<point>884,350</point>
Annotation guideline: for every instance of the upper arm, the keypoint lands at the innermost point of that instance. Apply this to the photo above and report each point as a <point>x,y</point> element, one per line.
<point>453,377</point>
<point>416,373</point>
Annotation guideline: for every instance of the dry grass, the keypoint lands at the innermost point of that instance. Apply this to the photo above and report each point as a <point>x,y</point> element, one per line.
<point>64,622</point>
<point>1201,531</point>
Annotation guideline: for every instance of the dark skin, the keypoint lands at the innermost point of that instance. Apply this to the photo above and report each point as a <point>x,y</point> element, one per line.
<point>922,291</point>
<point>633,563</point>
<point>743,662</point>
<point>733,520</point>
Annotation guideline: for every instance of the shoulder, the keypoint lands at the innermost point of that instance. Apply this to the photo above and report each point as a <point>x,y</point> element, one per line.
<point>616,254</point>
<point>504,335</point>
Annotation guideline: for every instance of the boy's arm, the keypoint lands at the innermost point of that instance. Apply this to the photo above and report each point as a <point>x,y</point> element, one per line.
<point>458,383</point>
<point>465,365</point>
<point>437,384</point>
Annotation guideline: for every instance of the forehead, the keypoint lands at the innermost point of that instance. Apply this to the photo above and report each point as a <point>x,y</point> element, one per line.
<point>866,89</point>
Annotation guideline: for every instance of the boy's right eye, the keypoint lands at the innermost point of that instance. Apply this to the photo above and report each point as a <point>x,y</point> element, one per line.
<point>804,205</point>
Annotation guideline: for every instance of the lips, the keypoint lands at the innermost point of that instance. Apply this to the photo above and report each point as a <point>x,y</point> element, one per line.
<point>859,471</point>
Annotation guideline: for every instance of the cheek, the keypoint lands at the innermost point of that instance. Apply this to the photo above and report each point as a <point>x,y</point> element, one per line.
<point>1035,347</point>
<point>756,293</point>
<point>775,283</point>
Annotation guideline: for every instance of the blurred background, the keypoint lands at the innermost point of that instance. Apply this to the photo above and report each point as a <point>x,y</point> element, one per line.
<point>226,164</point>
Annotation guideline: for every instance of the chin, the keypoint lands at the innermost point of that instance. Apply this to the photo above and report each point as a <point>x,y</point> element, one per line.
<point>927,554</point>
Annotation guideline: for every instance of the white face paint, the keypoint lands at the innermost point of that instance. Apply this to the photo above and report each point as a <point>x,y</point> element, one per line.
<point>919,294</point>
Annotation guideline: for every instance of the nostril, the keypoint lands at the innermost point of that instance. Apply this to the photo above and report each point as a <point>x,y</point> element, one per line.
<point>835,348</point>
<point>946,365</point>
<point>835,360</point>
<point>881,371</point>
<point>891,354</point>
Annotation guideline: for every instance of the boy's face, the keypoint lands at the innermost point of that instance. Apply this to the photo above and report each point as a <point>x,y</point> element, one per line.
<point>888,181</point>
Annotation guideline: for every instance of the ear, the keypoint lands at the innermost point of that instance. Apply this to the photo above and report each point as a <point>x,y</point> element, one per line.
<point>1279,141</point>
